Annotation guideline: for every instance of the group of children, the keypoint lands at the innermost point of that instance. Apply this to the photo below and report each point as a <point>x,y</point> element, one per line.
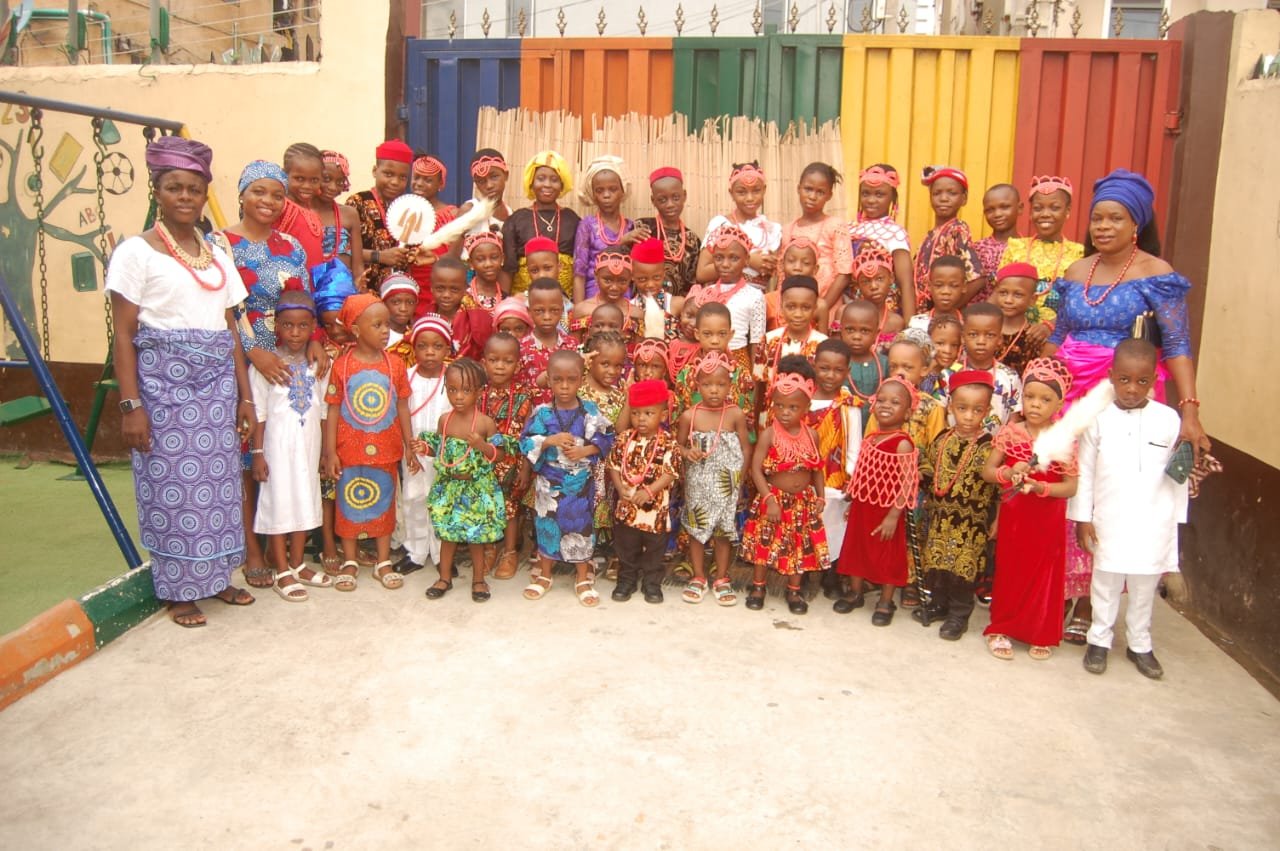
<point>810,396</point>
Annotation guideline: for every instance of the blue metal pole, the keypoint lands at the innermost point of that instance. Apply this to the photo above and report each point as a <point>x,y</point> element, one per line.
<point>63,414</point>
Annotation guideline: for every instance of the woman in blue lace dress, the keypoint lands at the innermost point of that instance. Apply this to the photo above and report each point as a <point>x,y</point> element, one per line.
<point>1120,278</point>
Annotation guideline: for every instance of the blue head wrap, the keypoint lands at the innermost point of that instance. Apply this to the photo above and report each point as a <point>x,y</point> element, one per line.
<point>1131,191</point>
<point>259,170</point>
<point>332,284</point>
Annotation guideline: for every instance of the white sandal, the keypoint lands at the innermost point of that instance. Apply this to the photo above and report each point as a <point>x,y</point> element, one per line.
<point>589,598</point>
<point>293,593</point>
<point>535,590</point>
<point>390,580</point>
<point>346,581</point>
<point>317,579</point>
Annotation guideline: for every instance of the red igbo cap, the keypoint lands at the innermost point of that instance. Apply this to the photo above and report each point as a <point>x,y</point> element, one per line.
<point>970,376</point>
<point>936,172</point>
<point>664,172</point>
<point>644,394</point>
<point>1018,270</point>
<point>540,243</point>
<point>394,150</point>
<point>647,251</point>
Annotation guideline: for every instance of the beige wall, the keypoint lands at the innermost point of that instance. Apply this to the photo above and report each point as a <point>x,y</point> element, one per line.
<point>243,113</point>
<point>1237,348</point>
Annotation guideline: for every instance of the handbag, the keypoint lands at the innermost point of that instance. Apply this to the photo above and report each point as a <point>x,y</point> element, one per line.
<point>1146,328</point>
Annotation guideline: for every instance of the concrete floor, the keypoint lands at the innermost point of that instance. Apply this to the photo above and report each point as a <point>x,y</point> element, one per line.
<point>381,720</point>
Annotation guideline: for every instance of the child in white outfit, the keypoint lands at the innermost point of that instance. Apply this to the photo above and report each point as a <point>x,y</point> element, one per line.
<point>1127,507</point>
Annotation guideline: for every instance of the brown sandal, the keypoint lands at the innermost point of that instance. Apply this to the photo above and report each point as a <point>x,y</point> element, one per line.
<point>508,565</point>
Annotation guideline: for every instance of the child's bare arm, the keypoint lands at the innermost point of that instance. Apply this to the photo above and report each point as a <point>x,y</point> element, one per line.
<point>744,437</point>
<point>411,461</point>
<point>260,469</point>
<point>757,461</point>
<point>329,463</point>
<point>991,470</point>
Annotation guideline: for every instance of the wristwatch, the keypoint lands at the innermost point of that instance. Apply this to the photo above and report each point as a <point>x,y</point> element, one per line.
<point>127,405</point>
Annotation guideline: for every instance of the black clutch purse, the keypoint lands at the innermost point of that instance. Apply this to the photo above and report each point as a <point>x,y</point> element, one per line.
<point>1146,328</point>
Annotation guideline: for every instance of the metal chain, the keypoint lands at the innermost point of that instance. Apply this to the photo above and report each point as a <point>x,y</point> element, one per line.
<point>35,138</point>
<point>99,156</point>
<point>149,133</point>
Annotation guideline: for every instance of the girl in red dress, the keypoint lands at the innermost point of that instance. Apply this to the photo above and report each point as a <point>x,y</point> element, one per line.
<point>884,485</point>
<point>1026,601</point>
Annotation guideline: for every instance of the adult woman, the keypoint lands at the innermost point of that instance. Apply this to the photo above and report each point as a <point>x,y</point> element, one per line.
<point>546,181</point>
<point>269,262</point>
<point>1099,298</point>
<point>184,387</point>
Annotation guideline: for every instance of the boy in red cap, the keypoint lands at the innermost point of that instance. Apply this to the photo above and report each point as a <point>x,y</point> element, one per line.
<point>680,246</point>
<point>644,466</point>
<point>657,312</point>
<point>1015,295</point>
<point>381,252</point>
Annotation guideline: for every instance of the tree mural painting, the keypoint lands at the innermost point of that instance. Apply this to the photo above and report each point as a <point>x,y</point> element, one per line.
<point>20,222</point>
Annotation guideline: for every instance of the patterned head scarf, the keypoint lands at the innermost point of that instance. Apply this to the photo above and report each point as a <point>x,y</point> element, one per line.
<point>168,153</point>
<point>1129,189</point>
<point>354,307</point>
<point>262,170</point>
<point>599,166</point>
<point>553,161</point>
<point>512,307</point>
<point>332,285</point>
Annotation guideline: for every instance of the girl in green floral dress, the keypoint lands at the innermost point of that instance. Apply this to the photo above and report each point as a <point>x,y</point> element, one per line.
<point>465,502</point>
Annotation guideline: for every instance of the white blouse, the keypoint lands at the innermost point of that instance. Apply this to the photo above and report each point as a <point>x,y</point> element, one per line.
<point>162,288</point>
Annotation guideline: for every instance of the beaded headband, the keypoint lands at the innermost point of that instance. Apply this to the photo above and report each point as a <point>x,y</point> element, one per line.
<point>711,361</point>
<point>748,174</point>
<point>871,258</point>
<point>335,158</point>
<point>911,389</point>
<point>793,382</point>
<point>726,234</point>
<point>876,176</point>
<point>428,166</point>
<point>650,349</point>
<point>613,262</point>
<point>482,238</point>
<point>801,242</point>
<point>1047,184</point>
<point>1048,370</point>
<point>482,166</point>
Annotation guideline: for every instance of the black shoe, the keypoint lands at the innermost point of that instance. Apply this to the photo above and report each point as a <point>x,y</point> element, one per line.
<point>883,615</point>
<point>952,629</point>
<point>845,605</point>
<point>795,601</point>
<point>930,613</point>
<point>622,592</point>
<point>1095,659</point>
<point>1147,664</point>
<point>831,584</point>
<point>406,565</point>
<point>479,596</point>
<point>653,595</point>
<point>755,597</point>
<point>434,593</point>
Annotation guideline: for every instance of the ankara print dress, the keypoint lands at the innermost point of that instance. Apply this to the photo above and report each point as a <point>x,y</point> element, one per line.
<point>563,492</point>
<point>466,504</point>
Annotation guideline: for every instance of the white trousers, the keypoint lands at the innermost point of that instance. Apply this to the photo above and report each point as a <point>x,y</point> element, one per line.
<point>1104,594</point>
<point>413,520</point>
<point>834,520</point>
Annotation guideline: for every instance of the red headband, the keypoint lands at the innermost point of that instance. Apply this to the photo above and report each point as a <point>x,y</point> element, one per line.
<point>970,376</point>
<point>648,251</point>
<point>665,172</point>
<point>394,150</point>
<point>933,173</point>
<point>793,382</point>
<point>613,262</point>
<point>877,175</point>
<point>650,349</point>
<point>911,389</point>
<point>1018,270</point>
<point>799,241</point>
<point>711,361</point>
<point>540,243</point>
<point>1047,184</point>
<point>428,166</point>
<point>730,233</point>
<point>1046,370</point>
<point>748,173</point>
<point>644,394</point>
<point>872,256</point>
<point>485,236</point>
<point>483,165</point>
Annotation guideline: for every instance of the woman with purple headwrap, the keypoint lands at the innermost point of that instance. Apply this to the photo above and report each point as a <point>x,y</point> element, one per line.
<point>184,387</point>
<point>1099,298</point>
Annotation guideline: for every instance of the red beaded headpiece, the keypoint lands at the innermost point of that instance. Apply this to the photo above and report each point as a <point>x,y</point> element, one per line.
<point>711,361</point>
<point>1048,371</point>
<point>793,382</point>
<point>912,391</point>
<point>748,173</point>
<point>428,166</point>
<point>613,262</point>
<point>485,236</point>
<point>726,234</point>
<point>877,175</point>
<point>482,166</point>
<point>871,258</point>
<point>650,349</point>
<point>335,158</point>
<point>798,241</point>
<point>1047,184</point>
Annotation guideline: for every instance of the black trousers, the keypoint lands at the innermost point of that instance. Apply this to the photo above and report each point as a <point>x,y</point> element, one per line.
<point>639,556</point>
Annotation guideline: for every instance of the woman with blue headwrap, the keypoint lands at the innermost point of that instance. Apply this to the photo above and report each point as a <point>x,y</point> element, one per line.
<point>1120,278</point>
<point>269,263</point>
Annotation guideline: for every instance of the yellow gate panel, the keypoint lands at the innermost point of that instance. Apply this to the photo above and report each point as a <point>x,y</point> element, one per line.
<point>913,101</point>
